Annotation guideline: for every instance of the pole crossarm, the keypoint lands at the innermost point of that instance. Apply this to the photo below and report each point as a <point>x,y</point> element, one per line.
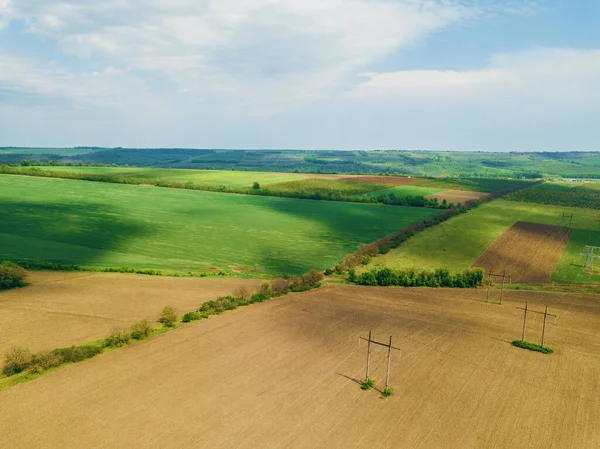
<point>381,344</point>
<point>533,311</point>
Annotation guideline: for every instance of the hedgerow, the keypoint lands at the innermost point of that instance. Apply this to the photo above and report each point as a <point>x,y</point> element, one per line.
<point>411,278</point>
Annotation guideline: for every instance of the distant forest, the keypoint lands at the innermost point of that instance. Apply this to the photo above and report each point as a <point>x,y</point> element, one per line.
<point>572,164</point>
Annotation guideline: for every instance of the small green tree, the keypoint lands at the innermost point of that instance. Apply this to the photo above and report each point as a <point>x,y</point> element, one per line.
<point>256,186</point>
<point>168,316</point>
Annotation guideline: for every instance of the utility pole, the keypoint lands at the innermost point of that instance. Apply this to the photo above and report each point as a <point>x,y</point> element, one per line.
<point>503,276</point>
<point>389,356</point>
<point>528,310</point>
<point>368,356</point>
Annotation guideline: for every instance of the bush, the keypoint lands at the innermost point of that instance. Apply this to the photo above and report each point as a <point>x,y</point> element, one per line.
<point>257,297</point>
<point>16,360</point>
<point>367,278</point>
<point>241,293</point>
<point>532,347</point>
<point>168,316</point>
<point>328,272</point>
<point>266,289</point>
<point>191,316</point>
<point>44,360</point>
<point>312,278</point>
<point>280,287</point>
<point>117,339</point>
<point>141,330</point>
<point>11,275</point>
<point>76,353</point>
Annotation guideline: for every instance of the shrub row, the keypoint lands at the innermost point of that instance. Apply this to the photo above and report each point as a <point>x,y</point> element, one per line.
<point>411,278</point>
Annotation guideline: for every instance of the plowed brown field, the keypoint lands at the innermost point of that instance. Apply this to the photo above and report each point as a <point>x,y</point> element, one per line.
<point>458,196</point>
<point>284,374</point>
<point>63,309</point>
<point>529,252</point>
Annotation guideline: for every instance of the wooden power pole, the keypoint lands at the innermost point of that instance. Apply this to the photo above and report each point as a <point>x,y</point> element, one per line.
<point>389,356</point>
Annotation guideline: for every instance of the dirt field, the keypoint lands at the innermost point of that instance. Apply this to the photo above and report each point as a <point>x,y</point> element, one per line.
<point>529,252</point>
<point>63,309</point>
<point>284,374</point>
<point>458,196</point>
<point>392,180</point>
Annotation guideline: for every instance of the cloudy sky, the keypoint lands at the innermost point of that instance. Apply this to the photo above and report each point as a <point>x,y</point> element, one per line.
<point>399,74</point>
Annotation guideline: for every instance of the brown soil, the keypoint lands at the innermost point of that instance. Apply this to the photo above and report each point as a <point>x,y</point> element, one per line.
<point>529,252</point>
<point>285,373</point>
<point>391,180</point>
<point>458,196</point>
<point>62,309</point>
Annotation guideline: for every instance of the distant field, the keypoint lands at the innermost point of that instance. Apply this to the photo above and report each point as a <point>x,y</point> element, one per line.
<point>112,225</point>
<point>561,194</point>
<point>221,177</point>
<point>408,190</point>
<point>35,152</point>
<point>325,186</point>
<point>457,243</point>
<point>474,184</point>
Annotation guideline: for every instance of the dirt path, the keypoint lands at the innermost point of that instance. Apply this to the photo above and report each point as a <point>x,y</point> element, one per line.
<point>529,252</point>
<point>62,309</point>
<point>284,374</point>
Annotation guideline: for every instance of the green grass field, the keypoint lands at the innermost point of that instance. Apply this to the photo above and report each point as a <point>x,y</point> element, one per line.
<point>457,243</point>
<point>221,177</point>
<point>325,186</point>
<point>113,225</point>
<point>407,190</point>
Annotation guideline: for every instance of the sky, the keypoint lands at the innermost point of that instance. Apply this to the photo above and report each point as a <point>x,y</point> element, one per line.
<point>492,75</point>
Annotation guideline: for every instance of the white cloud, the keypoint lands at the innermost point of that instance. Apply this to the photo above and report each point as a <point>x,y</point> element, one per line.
<point>553,76</point>
<point>269,52</point>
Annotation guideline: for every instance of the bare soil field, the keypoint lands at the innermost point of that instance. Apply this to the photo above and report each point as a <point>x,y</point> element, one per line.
<point>285,373</point>
<point>62,309</point>
<point>458,196</point>
<point>392,180</point>
<point>529,252</point>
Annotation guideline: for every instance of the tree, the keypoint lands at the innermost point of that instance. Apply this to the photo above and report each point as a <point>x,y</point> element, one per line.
<point>25,162</point>
<point>256,186</point>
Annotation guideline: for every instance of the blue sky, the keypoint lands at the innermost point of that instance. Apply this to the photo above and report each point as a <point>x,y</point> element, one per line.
<point>502,75</point>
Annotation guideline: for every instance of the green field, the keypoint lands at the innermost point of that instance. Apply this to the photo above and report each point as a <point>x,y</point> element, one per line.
<point>407,190</point>
<point>326,186</point>
<point>113,225</point>
<point>457,243</point>
<point>220,177</point>
<point>561,194</point>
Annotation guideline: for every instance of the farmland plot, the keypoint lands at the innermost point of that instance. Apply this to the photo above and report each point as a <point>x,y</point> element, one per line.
<point>527,252</point>
<point>285,374</point>
<point>63,309</point>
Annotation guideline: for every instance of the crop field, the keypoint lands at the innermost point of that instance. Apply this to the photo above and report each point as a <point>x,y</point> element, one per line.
<point>113,225</point>
<point>458,196</point>
<point>572,195</point>
<point>407,190</point>
<point>347,187</point>
<point>457,243</point>
<point>527,252</point>
<point>62,309</point>
<point>471,184</point>
<point>286,373</point>
<point>220,177</point>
